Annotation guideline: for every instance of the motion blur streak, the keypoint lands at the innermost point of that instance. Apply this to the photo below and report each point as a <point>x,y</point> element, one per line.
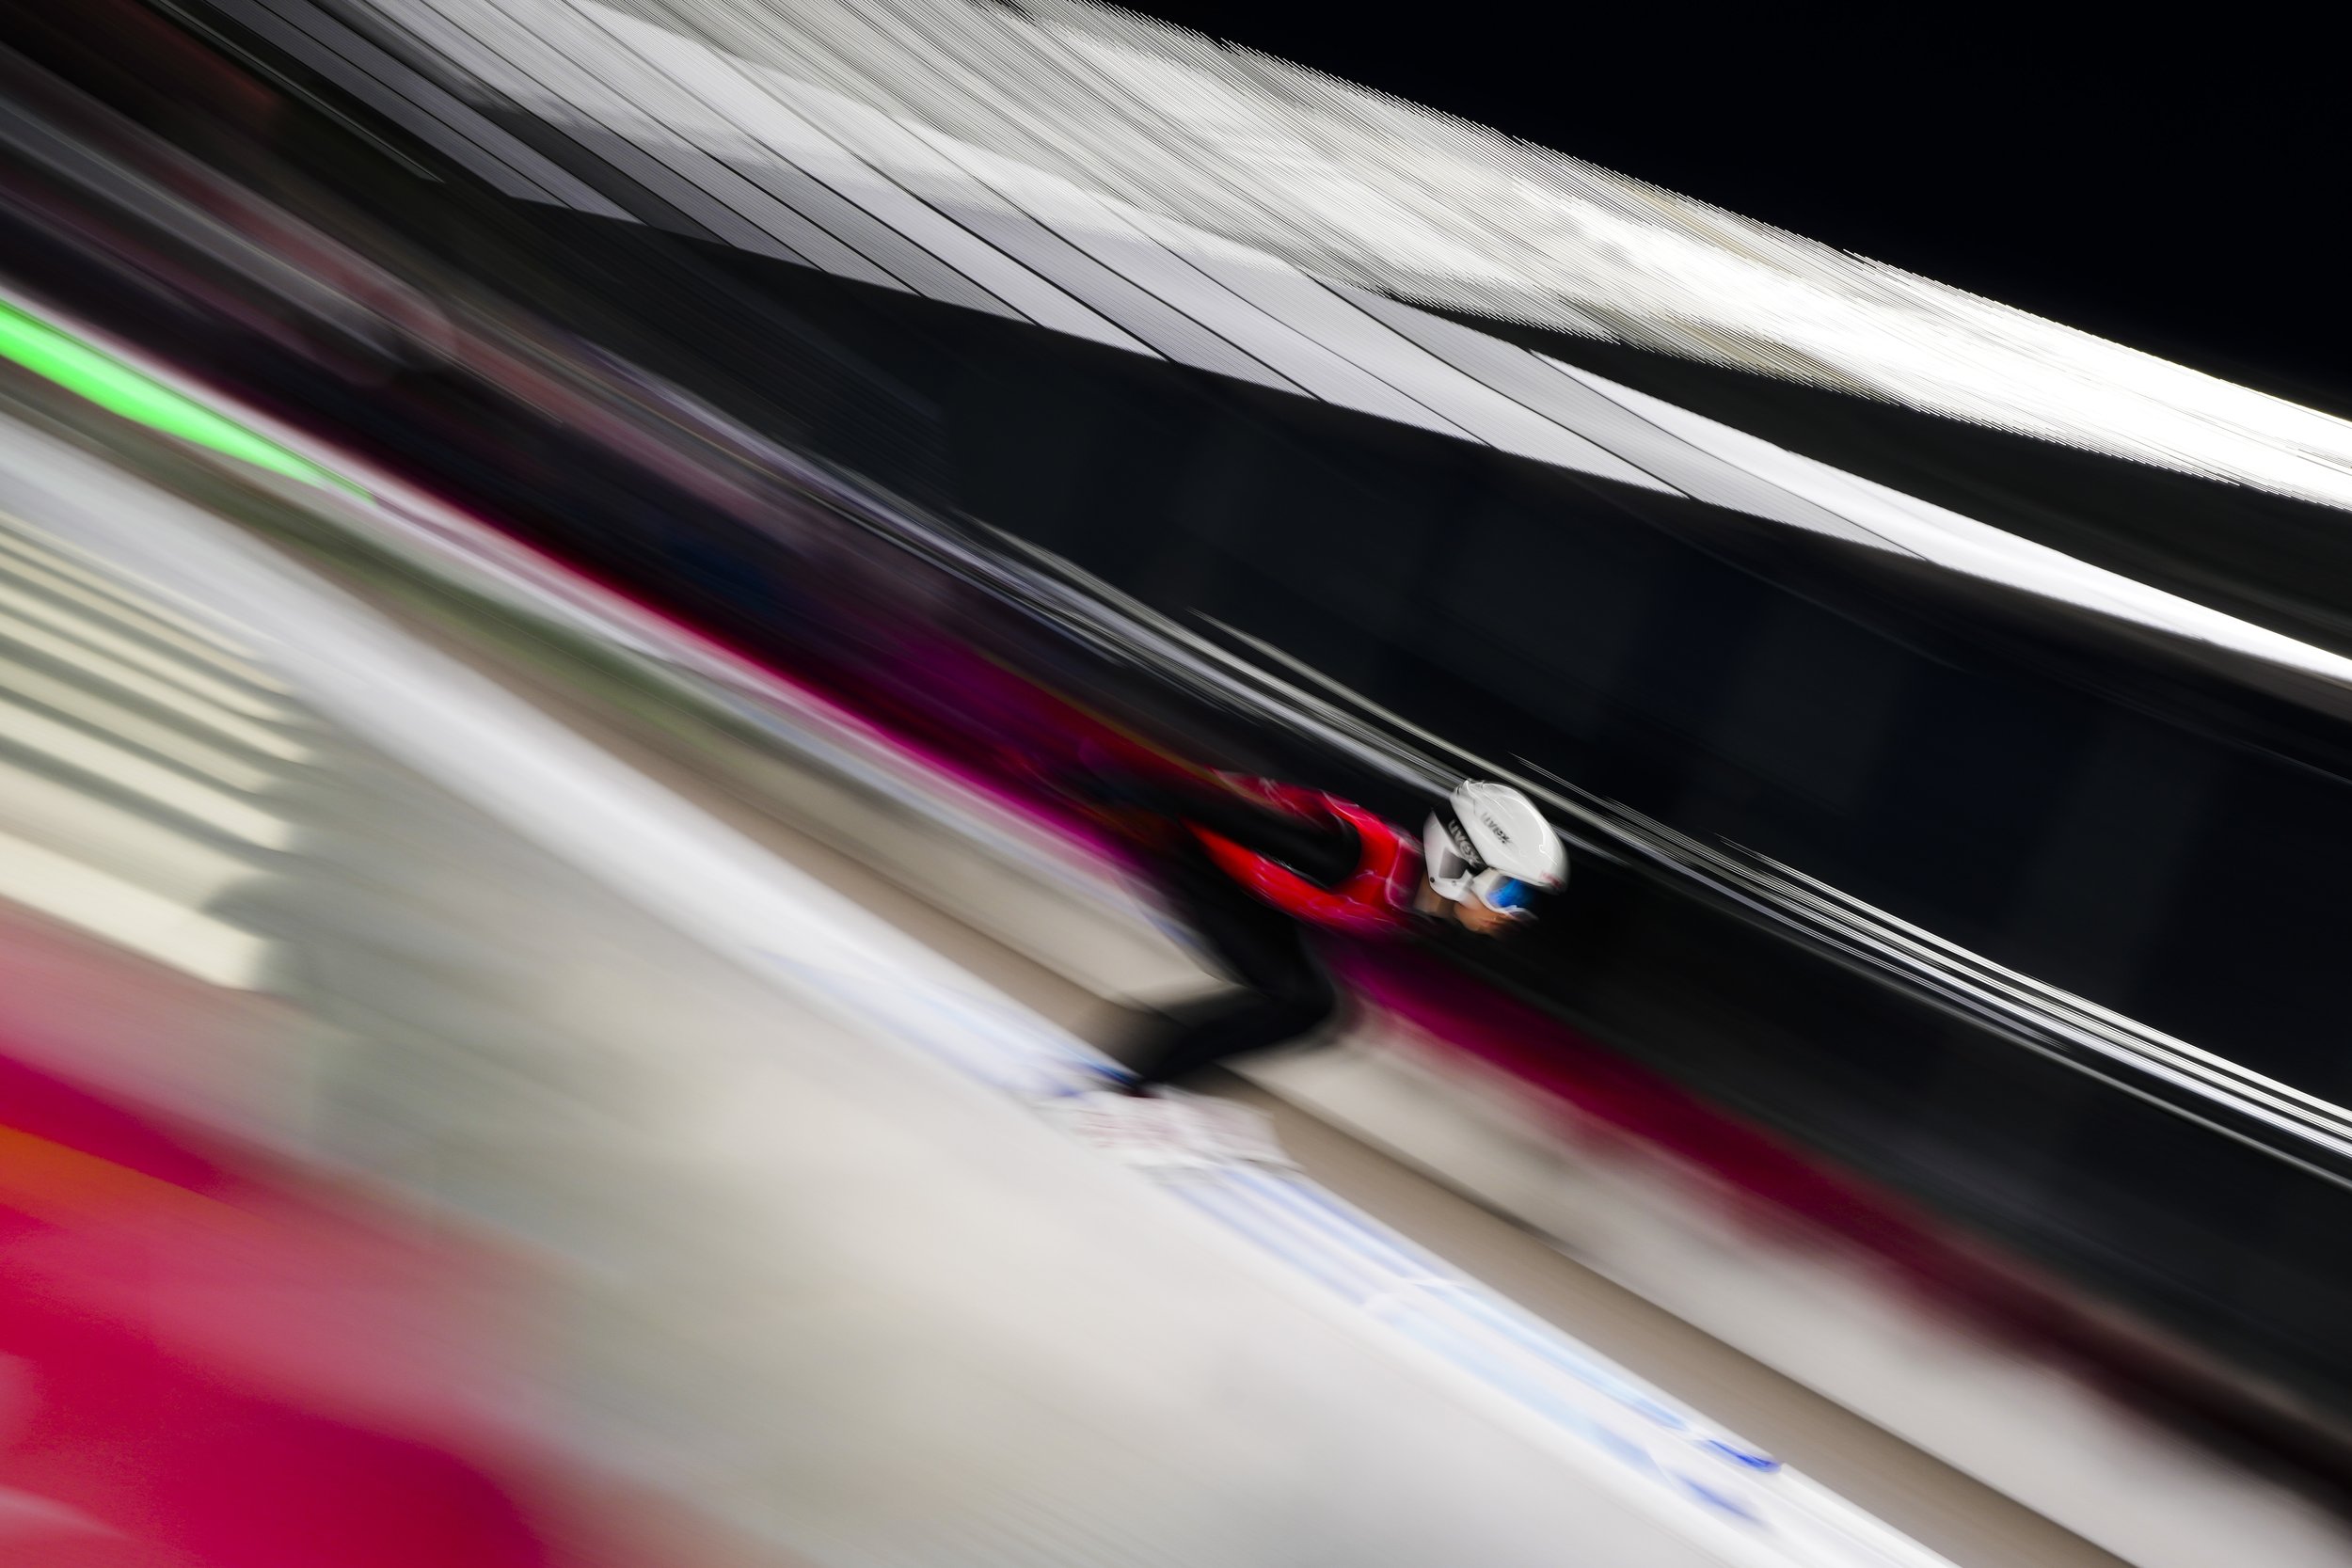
<point>964,103</point>
<point>41,348</point>
<point>623,1110</point>
<point>742,150</point>
<point>586,590</point>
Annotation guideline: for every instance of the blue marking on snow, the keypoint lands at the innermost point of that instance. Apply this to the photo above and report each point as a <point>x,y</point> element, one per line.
<point>1341,1249</point>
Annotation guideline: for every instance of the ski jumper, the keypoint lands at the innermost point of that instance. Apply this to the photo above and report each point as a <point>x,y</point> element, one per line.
<point>1256,870</point>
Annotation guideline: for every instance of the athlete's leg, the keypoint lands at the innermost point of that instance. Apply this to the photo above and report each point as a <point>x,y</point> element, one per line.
<point>1287,990</point>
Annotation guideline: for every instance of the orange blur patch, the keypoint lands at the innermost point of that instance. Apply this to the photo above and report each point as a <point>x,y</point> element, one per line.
<point>65,1187</point>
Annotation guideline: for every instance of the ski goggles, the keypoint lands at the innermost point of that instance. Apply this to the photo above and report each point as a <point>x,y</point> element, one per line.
<point>1505,894</point>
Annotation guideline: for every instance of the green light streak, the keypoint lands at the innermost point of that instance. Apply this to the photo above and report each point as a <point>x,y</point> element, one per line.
<point>58,356</point>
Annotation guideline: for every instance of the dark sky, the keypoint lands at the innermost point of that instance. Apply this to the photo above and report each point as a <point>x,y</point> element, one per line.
<point>2177,189</point>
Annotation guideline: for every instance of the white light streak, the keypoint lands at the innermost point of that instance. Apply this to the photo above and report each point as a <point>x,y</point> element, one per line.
<point>130,916</point>
<point>79,749</point>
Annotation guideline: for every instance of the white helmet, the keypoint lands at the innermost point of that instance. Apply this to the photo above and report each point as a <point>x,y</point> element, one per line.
<point>1489,843</point>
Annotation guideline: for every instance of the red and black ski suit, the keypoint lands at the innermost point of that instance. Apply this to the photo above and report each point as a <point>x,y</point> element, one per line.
<point>1257,869</point>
